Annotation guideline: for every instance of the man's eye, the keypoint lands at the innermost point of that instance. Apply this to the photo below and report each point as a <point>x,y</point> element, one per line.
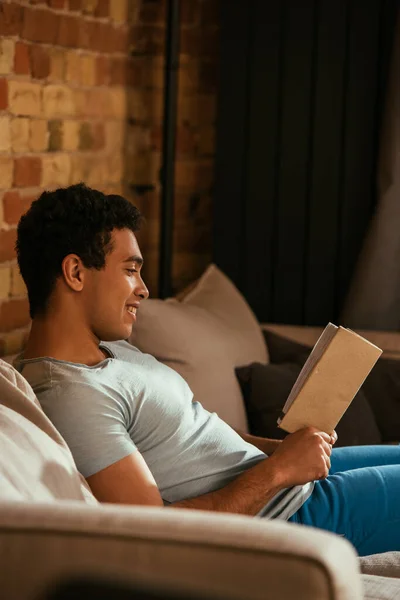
<point>132,270</point>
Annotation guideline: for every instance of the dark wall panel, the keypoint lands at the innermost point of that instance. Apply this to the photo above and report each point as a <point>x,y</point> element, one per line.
<point>295,148</point>
<point>360,120</point>
<point>300,105</point>
<point>325,174</point>
<point>263,137</point>
<point>232,137</point>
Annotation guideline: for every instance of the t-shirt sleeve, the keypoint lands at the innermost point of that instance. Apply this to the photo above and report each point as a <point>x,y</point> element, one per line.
<point>93,421</point>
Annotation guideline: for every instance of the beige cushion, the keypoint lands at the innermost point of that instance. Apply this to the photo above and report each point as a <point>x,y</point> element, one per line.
<point>386,564</point>
<point>204,337</point>
<point>213,555</point>
<point>388,341</point>
<point>35,462</point>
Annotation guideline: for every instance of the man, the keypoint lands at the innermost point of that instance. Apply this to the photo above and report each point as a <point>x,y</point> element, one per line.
<point>131,423</point>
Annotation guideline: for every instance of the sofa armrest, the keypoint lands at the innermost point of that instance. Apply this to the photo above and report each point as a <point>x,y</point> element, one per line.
<point>389,341</point>
<point>225,556</point>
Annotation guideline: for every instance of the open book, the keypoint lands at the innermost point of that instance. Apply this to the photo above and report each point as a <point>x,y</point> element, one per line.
<point>334,372</point>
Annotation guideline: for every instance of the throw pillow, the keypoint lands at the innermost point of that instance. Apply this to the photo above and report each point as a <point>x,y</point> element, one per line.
<point>266,388</point>
<point>381,388</point>
<point>282,349</point>
<point>35,462</point>
<point>204,337</point>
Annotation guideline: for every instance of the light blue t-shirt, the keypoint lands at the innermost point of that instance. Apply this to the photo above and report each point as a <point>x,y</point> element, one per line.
<point>131,402</point>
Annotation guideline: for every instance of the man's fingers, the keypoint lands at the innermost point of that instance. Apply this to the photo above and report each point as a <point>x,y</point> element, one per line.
<point>325,436</point>
<point>327,448</point>
<point>333,438</point>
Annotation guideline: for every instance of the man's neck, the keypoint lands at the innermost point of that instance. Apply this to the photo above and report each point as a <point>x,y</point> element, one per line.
<point>63,341</point>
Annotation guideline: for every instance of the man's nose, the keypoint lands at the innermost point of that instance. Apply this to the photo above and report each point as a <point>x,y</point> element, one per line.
<point>142,291</point>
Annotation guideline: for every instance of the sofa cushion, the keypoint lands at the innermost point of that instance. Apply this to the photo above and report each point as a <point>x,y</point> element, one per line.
<point>386,564</point>
<point>265,390</point>
<point>204,337</point>
<point>35,462</point>
<point>376,587</point>
<point>381,388</point>
<point>266,387</point>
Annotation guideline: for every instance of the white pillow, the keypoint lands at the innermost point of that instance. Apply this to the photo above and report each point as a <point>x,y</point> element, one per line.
<point>35,462</point>
<point>205,337</point>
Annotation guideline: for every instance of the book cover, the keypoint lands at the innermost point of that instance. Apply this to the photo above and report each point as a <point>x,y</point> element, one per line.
<point>334,372</point>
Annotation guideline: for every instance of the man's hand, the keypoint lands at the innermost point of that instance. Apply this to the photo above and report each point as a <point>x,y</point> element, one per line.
<point>303,456</point>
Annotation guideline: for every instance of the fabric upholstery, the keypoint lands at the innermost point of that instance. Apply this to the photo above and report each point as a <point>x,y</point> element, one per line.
<point>221,555</point>
<point>379,407</point>
<point>382,389</point>
<point>266,387</point>
<point>386,564</point>
<point>36,463</point>
<point>388,341</point>
<point>265,390</point>
<point>204,337</point>
<point>380,588</point>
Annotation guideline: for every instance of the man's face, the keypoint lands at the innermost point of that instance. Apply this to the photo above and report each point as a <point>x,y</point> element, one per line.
<point>113,294</point>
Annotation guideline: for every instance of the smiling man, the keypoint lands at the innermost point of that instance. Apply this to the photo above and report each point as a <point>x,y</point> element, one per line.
<point>132,424</point>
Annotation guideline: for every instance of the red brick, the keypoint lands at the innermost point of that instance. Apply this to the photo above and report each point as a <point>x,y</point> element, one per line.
<point>119,40</point>
<point>88,34</point>
<point>102,8</point>
<point>7,245</point>
<point>119,71</point>
<point>27,171</point>
<point>102,70</point>
<point>56,3</point>
<point>109,39</point>
<point>14,206</point>
<point>99,136</point>
<point>11,16</point>
<point>147,40</point>
<point>3,94</point>
<point>75,5</point>
<point>86,141</point>
<point>153,13</point>
<point>55,135</point>
<point>21,59</point>
<point>40,62</point>
<point>14,314</point>
<point>40,26</point>
<point>68,33</point>
<point>102,41</point>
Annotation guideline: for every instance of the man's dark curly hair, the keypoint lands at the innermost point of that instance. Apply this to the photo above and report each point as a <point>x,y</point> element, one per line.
<point>73,220</point>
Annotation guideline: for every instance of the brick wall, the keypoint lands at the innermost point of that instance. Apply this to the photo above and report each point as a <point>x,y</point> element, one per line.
<point>195,138</point>
<point>81,100</point>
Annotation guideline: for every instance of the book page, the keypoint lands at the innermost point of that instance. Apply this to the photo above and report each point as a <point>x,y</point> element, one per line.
<point>322,343</point>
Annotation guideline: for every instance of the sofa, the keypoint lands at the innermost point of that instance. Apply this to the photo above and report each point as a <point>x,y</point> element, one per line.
<point>52,529</point>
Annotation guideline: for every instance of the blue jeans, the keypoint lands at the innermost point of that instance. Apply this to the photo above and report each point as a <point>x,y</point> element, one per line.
<point>360,499</point>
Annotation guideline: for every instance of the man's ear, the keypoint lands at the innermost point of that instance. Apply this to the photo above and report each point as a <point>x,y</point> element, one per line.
<point>73,272</point>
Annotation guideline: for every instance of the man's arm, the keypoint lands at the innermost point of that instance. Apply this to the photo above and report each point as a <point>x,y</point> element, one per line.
<point>266,445</point>
<point>128,481</point>
<point>302,457</point>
